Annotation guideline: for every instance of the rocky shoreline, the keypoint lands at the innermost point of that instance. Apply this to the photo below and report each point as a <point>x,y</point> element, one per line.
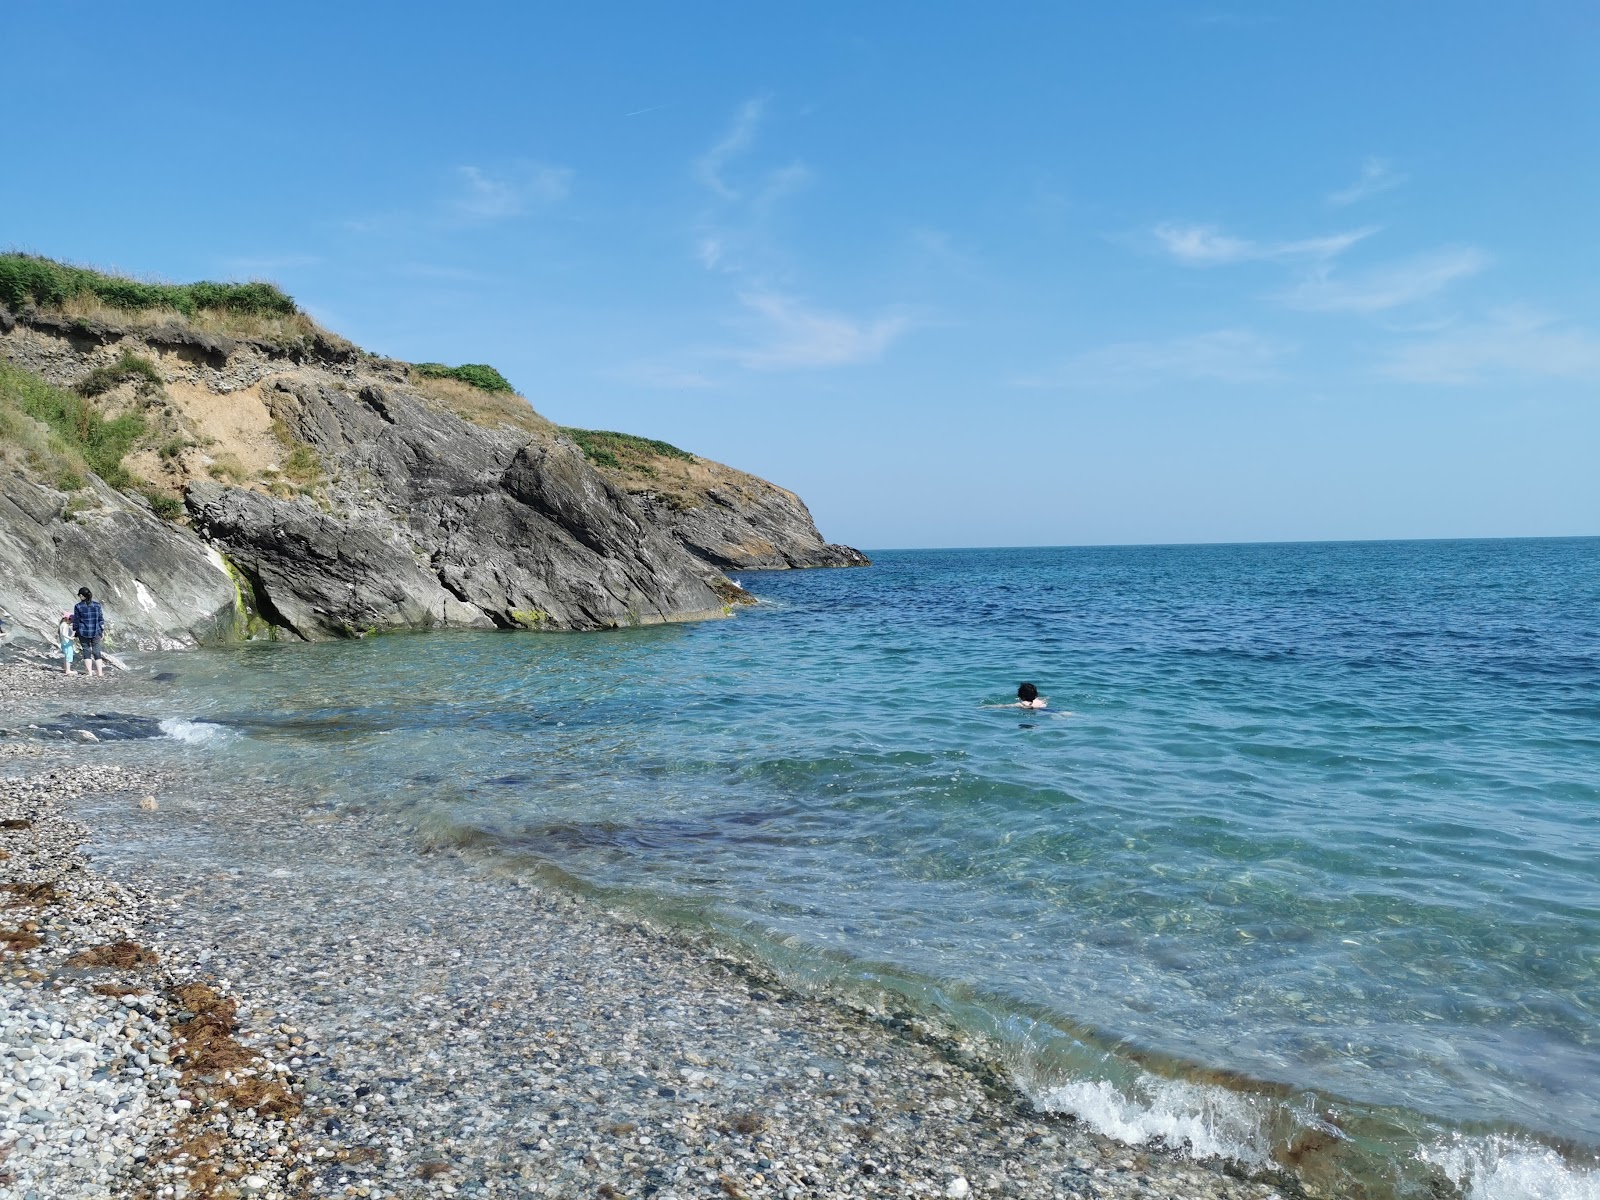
<point>251,994</point>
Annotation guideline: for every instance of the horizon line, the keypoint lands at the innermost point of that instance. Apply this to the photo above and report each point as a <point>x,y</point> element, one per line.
<point>1534,537</point>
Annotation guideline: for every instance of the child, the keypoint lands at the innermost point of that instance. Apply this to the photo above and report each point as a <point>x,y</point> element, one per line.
<point>64,636</point>
<point>1028,697</point>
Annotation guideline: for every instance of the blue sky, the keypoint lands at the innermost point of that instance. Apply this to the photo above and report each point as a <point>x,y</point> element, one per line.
<point>959,275</point>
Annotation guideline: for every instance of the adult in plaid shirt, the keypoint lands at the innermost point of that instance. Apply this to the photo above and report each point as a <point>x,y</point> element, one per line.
<point>89,625</point>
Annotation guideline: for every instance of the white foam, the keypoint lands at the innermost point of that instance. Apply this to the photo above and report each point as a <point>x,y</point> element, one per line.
<point>1502,1168</point>
<point>193,732</point>
<point>1205,1122</point>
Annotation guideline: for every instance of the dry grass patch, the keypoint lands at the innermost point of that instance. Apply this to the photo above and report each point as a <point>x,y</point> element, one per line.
<point>295,329</point>
<point>492,410</point>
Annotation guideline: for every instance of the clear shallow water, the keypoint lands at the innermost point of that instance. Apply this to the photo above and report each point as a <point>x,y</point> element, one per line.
<point>1306,842</point>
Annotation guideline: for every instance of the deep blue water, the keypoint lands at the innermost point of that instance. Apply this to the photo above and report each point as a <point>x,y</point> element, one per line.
<point>1307,838</point>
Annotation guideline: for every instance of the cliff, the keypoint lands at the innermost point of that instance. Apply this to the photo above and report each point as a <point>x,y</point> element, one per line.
<point>212,471</point>
<point>723,516</point>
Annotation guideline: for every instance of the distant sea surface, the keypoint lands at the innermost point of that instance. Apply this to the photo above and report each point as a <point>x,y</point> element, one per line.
<point>1302,860</point>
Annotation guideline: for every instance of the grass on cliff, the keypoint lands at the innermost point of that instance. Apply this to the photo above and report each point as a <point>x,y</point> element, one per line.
<point>130,368</point>
<point>479,375</point>
<point>252,310</point>
<point>27,280</point>
<point>61,433</point>
<point>60,436</point>
<point>623,451</point>
<point>492,410</point>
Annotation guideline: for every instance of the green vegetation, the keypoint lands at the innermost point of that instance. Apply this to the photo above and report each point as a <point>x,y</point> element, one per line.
<point>74,436</point>
<point>479,375</point>
<point>168,508</point>
<point>27,279</point>
<point>300,466</point>
<point>605,448</point>
<point>227,467</point>
<point>129,368</point>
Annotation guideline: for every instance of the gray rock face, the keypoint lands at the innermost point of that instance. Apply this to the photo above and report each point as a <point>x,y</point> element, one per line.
<point>440,522</point>
<point>160,587</point>
<point>420,517</point>
<point>751,528</point>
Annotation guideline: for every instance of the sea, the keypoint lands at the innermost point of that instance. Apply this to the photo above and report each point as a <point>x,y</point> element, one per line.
<point>1300,867</point>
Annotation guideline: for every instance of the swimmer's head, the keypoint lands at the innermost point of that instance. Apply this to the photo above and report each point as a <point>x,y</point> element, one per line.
<point>1027,693</point>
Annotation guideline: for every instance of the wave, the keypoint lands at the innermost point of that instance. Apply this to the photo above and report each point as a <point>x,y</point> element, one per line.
<point>1504,1168</point>
<point>194,732</point>
<point>1193,1119</point>
<point>1204,1121</point>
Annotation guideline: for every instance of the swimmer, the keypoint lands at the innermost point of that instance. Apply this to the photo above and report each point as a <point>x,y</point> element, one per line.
<point>1028,697</point>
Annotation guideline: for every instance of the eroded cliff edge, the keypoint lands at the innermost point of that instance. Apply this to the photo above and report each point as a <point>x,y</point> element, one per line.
<point>723,516</point>
<point>293,482</point>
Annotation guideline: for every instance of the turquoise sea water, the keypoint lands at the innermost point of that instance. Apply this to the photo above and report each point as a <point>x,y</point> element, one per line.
<point>1303,859</point>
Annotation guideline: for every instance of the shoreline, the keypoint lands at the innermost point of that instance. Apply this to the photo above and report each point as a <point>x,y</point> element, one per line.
<point>447,1029</point>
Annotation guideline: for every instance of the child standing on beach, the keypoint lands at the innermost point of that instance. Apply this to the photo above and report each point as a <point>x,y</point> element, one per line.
<point>64,636</point>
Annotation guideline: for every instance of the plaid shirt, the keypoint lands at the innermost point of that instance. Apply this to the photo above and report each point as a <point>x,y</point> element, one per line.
<point>88,621</point>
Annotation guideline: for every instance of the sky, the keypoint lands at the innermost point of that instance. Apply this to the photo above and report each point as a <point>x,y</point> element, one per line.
<point>959,275</point>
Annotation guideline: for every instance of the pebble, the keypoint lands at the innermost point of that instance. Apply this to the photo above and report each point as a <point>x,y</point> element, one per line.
<point>449,1030</point>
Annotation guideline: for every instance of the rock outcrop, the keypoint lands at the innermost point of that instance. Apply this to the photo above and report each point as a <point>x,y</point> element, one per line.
<point>439,522</point>
<point>161,586</point>
<point>727,518</point>
<point>739,522</point>
<point>329,493</point>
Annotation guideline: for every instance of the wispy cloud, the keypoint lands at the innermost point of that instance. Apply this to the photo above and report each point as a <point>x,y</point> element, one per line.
<point>1512,342</point>
<point>1376,176</point>
<point>482,196</point>
<point>259,267</point>
<point>733,235</point>
<point>1219,356</point>
<point>1208,246</point>
<point>1385,287</point>
<point>741,134</point>
<point>787,335</point>
<point>475,195</point>
<point>781,183</point>
<point>735,239</point>
<point>662,375</point>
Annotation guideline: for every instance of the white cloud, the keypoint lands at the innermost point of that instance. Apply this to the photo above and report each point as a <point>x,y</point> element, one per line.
<point>781,183</point>
<point>1386,287</point>
<point>1512,342</point>
<point>1208,246</point>
<point>662,375</point>
<point>733,232</point>
<point>740,136</point>
<point>257,268</point>
<point>1219,356</point>
<point>790,336</point>
<point>1376,176</point>
<point>525,188</point>
<point>710,251</point>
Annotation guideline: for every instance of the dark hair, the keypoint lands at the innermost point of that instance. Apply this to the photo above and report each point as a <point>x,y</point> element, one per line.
<point>86,593</point>
<point>1027,692</point>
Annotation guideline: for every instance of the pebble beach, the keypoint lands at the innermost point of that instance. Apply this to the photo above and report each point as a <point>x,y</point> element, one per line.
<point>215,994</point>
